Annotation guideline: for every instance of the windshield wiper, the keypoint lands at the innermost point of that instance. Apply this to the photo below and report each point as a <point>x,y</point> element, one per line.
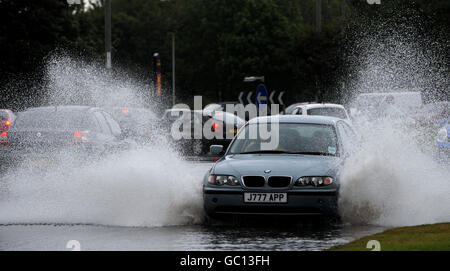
<point>313,153</point>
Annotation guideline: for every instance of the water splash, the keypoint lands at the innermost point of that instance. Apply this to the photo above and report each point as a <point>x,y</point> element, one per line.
<point>393,179</point>
<point>148,186</point>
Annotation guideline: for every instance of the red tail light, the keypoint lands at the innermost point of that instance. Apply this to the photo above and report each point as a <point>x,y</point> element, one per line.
<point>4,138</point>
<point>78,134</point>
<point>125,111</point>
<point>79,137</point>
<point>215,127</point>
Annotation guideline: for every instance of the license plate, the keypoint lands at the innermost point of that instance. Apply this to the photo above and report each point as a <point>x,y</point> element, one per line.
<point>265,197</point>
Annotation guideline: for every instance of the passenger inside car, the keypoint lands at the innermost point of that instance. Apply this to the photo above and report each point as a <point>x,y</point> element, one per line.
<point>321,142</point>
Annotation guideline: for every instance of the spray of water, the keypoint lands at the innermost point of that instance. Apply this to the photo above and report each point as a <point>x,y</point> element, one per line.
<point>147,186</point>
<point>389,181</point>
<point>392,179</point>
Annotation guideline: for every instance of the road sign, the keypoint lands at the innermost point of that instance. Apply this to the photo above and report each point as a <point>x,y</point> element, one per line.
<point>280,99</point>
<point>271,96</point>
<point>261,95</point>
<point>240,97</point>
<point>261,99</point>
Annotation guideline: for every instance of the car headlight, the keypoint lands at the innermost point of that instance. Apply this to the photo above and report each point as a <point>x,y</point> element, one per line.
<point>442,135</point>
<point>223,180</point>
<point>314,181</point>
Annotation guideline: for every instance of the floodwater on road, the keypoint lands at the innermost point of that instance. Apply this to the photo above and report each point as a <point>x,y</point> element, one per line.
<point>134,206</point>
<point>197,237</point>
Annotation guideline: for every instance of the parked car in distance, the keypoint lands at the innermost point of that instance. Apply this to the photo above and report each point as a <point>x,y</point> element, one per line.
<point>39,135</point>
<point>221,125</point>
<point>297,176</point>
<point>222,107</point>
<point>443,142</point>
<point>6,119</point>
<point>288,110</point>
<point>432,113</point>
<point>139,124</point>
<point>321,109</point>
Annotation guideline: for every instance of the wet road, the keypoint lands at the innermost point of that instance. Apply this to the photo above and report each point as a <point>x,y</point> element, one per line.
<point>295,235</point>
<point>230,237</point>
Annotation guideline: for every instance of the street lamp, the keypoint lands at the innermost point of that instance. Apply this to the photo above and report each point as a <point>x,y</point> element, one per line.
<point>254,78</point>
<point>108,33</point>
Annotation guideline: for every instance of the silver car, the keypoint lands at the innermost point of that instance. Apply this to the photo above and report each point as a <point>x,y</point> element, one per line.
<point>295,171</point>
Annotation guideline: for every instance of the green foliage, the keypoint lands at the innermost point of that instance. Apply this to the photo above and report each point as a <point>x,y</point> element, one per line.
<point>218,42</point>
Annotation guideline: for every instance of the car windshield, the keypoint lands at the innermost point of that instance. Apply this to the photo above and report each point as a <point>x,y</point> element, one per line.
<point>52,120</point>
<point>328,111</point>
<point>295,138</point>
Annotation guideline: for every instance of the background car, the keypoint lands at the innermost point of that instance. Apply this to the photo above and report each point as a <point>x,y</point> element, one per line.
<point>223,125</point>
<point>321,109</point>
<point>6,119</point>
<point>290,108</point>
<point>39,136</point>
<point>432,113</point>
<point>139,124</point>
<point>222,107</point>
<point>297,176</point>
<point>443,143</point>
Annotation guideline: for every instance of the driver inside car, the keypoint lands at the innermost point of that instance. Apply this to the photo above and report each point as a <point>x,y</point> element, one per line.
<point>320,142</point>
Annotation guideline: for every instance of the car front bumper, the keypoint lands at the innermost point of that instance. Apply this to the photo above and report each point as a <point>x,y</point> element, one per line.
<point>223,201</point>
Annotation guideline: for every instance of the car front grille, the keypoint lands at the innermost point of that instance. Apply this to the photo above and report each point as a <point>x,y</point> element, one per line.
<point>254,181</point>
<point>279,181</point>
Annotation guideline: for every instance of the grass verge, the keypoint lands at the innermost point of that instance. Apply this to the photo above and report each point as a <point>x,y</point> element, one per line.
<point>435,237</point>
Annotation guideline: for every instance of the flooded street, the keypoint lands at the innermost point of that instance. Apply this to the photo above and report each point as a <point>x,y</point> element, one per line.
<point>197,237</point>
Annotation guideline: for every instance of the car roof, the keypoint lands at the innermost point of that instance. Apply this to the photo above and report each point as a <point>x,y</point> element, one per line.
<point>321,105</point>
<point>230,102</point>
<point>176,109</point>
<point>296,119</point>
<point>64,108</point>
